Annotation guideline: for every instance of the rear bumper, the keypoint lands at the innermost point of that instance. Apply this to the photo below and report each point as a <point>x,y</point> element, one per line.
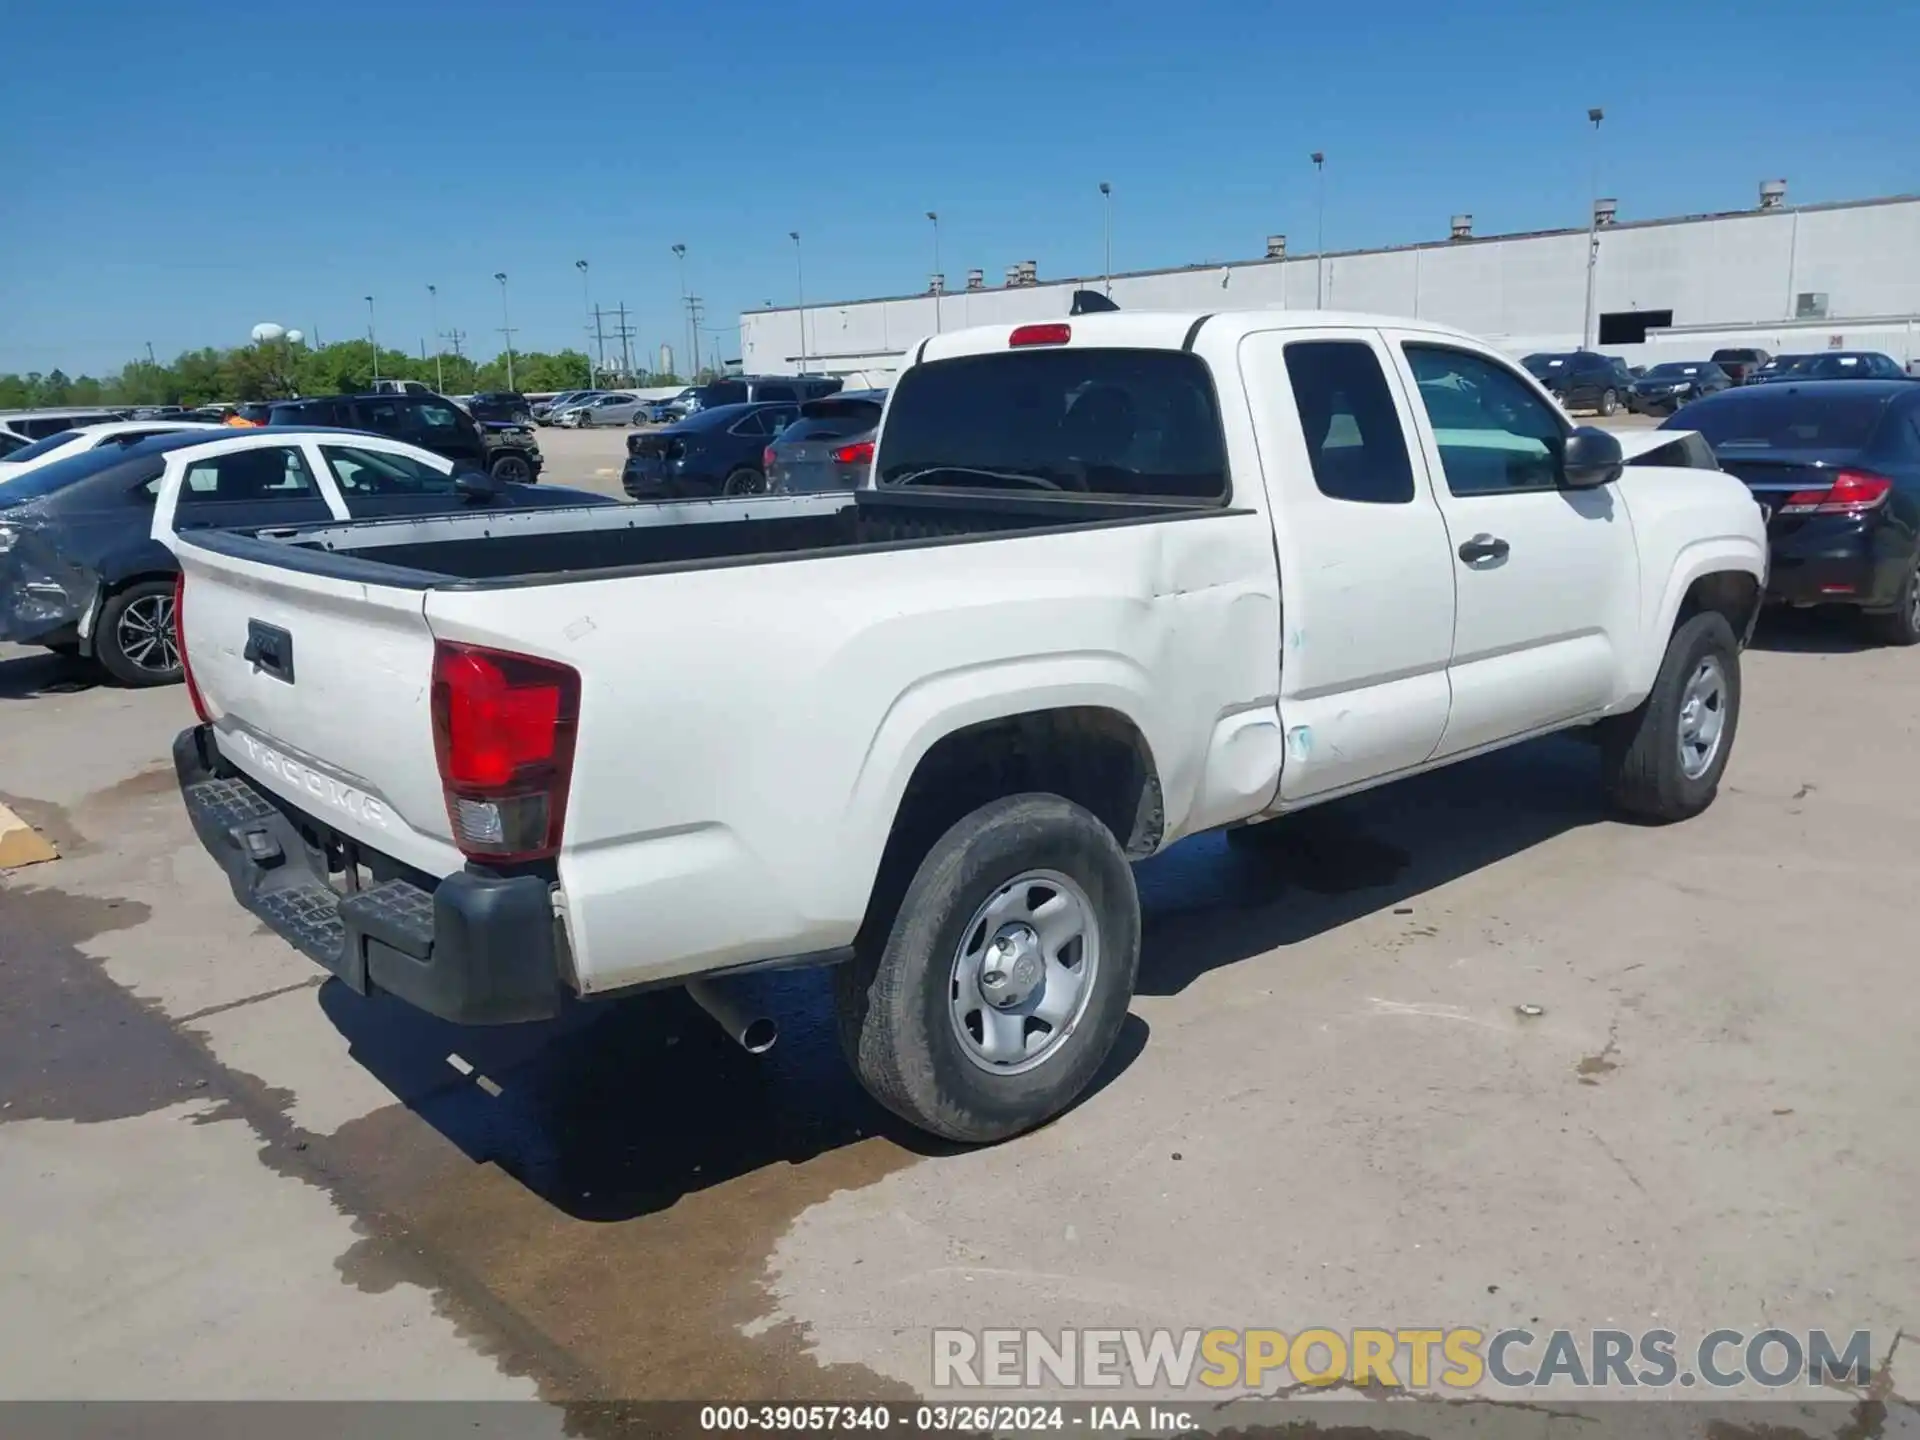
<point>1841,564</point>
<point>474,948</point>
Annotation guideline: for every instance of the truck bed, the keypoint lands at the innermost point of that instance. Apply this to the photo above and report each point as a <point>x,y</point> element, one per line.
<point>493,550</point>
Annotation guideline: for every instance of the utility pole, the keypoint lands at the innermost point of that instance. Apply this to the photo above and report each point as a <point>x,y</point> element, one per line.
<point>506,323</point>
<point>625,334</point>
<point>150,359</point>
<point>680,254</point>
<point>800,286</point>
<point>934,216</point>
<point>372,339</point>
<point>693,324</point>
<point>1106,196</point>
<point>439,370</point>
<point>1320,240</point>
<point>586,303</point>
<point>1595,114</point>
<point>455,336</point>
<point>599,340</point>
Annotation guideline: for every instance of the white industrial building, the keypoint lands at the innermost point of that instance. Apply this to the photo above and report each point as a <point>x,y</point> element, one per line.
<point>1783,277</point>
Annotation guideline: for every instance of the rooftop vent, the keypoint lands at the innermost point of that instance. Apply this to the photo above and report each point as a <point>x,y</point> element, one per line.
<point>1029,272</point>
<point>1013,276</point>
<point>976,279</point>
<point>1462,228</point>
<point>1276,247</point>
<point>1773,194</point>
<point>1603,211</point>
<point>936,284</point>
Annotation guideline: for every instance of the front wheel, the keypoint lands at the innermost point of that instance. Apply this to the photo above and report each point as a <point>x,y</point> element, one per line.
<point>1901,625</point>
<point>1663,761</point>
<point>1609,402</point>
<point>511,470</point>
<point>134,640</point>
<point>998,991</point>
<point>745,481</point>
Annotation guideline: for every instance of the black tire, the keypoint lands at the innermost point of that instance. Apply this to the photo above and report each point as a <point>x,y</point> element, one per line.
<point>1609,402</point>
<point>745,481</point>
<point>1901,625</point>
<point>133,639</point>
<point>512,470</point>
<point>1641,750</point>
<point>892,1002</point>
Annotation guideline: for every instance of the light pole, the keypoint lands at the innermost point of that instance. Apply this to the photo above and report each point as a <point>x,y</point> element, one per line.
<point>439,371</point>
<point>586,305</point>
<point>680,254</point>
<point>800,284</point>
<point>1594,114</point>
<point>934,216</point>
<point>506,324</point>
<point>1320,238</point>
<point>1106,198</point>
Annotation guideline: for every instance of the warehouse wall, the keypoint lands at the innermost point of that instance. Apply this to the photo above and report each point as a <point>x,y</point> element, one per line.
<point>1523,292</point>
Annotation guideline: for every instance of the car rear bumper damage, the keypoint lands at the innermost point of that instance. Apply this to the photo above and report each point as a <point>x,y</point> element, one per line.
<point>475,948</point>
<point>45,597</point>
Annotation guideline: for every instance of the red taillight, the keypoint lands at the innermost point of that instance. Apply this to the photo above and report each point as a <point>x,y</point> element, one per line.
<point>766,458</point>
<point>858,453</point>
<point>1852,493</point>
<point>1040,335</point>
<point>503,731</point>
<point>180,644</point>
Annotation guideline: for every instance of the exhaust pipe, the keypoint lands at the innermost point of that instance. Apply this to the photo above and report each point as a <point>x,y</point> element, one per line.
<point>752,1031</point>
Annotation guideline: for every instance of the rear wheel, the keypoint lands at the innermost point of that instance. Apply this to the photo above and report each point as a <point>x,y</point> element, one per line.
<point>134,641</point>
<point>745,481</point>
<point>1901,625</point>
<point>1609,402</point>
<point>1663,761</point>
<point>994,997</point>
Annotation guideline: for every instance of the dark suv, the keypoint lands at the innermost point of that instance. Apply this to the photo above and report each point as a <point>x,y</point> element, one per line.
<point>508,452</point>
<point>760,389</point>
<point>502,407</point>
<point>1583,379</point>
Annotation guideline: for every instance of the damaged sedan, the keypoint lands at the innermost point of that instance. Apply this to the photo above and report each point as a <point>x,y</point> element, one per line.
<point>84,567</point>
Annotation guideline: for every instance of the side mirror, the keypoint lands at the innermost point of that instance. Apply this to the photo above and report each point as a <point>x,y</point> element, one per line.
<point>478,487</point>
<point>1592,458</point>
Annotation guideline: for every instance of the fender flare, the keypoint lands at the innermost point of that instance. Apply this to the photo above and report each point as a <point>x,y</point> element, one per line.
<point>1705,556</point>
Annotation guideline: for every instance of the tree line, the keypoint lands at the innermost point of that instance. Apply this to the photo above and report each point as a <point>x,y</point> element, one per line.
<point>281,369</point>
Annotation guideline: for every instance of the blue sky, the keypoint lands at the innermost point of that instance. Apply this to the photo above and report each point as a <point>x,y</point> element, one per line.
<point>175,174</point>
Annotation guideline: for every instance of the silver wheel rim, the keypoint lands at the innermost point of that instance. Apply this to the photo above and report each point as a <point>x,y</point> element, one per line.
<point>144,635</point>
<point>1024,972</point>
<point>1703,717</point>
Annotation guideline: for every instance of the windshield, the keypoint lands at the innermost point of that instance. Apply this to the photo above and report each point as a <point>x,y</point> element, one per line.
<point>1784,362</point>
<point>1142,423</point>
<point>43,447</point>
<point>1541,366</point>
<point>1836,367</point>
<point>1768,419</point>
<point>1738,357</point>
<point>1673,370</point>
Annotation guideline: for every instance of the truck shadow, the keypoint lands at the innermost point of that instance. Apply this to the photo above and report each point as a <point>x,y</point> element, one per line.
<point>27,674</point>
<point>1823,630</point>
<point>1207,902</point>
<point>619,1109</point>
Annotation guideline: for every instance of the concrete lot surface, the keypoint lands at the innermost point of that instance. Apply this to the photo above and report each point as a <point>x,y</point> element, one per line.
<point>222,1178</point>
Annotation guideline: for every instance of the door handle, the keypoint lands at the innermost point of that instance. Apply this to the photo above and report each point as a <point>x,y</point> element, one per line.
<point>1484,547</point>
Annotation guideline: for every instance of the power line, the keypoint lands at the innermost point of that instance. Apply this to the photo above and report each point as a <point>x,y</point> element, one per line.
<point>455,336</point>
<point>695,313</point>
<point>624,334</point>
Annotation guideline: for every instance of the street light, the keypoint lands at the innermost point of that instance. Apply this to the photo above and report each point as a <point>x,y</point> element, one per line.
<point>439,373</point>
<point>1595,115</point>
<point>934,216</point>
<point>800,282</point>
<point>373,339</point>
<point>1106,197</point>
<point>1320,241</point>
<point>593,330</point>
<point>506,324</point>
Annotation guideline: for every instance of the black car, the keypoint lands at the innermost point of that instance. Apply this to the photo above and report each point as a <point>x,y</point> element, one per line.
<point>1777,367</point>
<point>830,447</point>
<point>1850,365</point>
<point>502,407</point>
<point>76,536</point>
<point>1740,363</point>
<point>721,451</point>
<point>1583,379</point>
<point>507,451</point>
<point>1664,388</point>
<point>753,389</point>
<point>1835,467</point>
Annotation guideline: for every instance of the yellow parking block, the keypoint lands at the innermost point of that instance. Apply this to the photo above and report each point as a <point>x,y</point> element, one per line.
<point>21,844</point>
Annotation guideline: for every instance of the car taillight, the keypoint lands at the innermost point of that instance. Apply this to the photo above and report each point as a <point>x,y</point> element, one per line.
<point>858,453</point>
<point>766,458</point>
<point>1853,492</point>
<point>180,644</point>
<point>1040,335</point>
<point>503,732</point>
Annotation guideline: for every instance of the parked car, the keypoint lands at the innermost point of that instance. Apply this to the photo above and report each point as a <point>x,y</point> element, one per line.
<point>10,442</point>
<point>938,716</point>
<point>1740,363</point>
<point>721,451</point>
<point>38,424</point>
<point>754,389</point>
<point>830,447</point>
<point>1583,379</point>
<point>543,409</point>
<point>1777,367</point>
<point>1850,365</point>
<point>1666,387</point>
<point>503,407</point>
<point>213,414</point>
<point>158,412</point>
<point>81,569</point>
<point>510,453</point>
<point>614,407</point>
<point>1835,467</point>
<point>63,444</point>
<point>677,407</point>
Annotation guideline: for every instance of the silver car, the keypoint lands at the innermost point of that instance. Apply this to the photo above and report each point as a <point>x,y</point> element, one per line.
<point>614,408</point>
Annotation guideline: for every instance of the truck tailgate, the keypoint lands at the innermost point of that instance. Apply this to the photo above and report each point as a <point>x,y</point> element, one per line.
<point>318,689</point>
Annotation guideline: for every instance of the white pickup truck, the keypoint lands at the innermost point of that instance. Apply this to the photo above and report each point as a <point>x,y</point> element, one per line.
<point>1114,581</point>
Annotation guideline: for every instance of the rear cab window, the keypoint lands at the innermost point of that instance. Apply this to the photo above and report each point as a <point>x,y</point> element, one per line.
<point>1140,424</point>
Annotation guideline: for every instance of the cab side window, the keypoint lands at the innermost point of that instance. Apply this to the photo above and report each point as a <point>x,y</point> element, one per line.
<point>271,472</point>
<point>1494,433</point>
<point>1355,442</point>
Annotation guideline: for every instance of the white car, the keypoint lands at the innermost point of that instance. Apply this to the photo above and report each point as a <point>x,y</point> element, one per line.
<point>611,408</point>
<point>1113,582</point>
<point>64,444</point>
